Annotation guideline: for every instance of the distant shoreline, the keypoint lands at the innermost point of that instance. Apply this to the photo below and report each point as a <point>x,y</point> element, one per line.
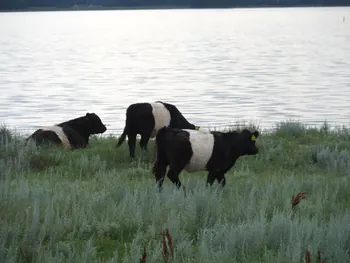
<point>93,8</point>
<point>106,8</point>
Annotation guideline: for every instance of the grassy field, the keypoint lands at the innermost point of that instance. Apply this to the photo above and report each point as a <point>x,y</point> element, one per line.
<point>92,205</point>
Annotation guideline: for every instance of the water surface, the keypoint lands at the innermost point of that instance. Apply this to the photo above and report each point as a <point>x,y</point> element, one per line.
<point>218,66</point>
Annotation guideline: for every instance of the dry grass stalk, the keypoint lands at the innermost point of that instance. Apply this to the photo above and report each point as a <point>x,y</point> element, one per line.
<point>307,256</point>
<point>165,248</point>
<point>170,242</point>
<point>166,234</point>
<point>296,200</point>
<point>144,255</point>
<point>318,260</point>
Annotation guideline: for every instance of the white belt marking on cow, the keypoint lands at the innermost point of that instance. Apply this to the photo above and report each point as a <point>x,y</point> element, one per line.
<point>59,132</point>
<point>202,144</point>
<point>161,117</point>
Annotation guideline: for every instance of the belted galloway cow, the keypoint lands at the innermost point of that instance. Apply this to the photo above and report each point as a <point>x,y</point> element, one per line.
<point>71,134</point>
<point>190,150</point>
<point>147,118</point>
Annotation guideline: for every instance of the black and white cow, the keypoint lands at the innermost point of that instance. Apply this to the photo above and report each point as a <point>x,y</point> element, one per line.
<point>71,134</point>
<point>146,119</point>
<point>190,150</point>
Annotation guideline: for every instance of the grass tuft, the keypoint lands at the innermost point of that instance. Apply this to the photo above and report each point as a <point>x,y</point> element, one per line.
<point>291,128</point>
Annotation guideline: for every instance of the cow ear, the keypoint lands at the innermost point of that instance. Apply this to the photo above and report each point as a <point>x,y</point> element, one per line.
<point>255,135</point>
<point>196,128</point>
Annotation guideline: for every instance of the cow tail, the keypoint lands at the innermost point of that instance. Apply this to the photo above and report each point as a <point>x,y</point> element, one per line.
<point>122,137</point>
<point>160,147</point>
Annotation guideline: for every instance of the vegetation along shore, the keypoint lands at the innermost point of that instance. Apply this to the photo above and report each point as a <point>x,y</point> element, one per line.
<point>289,203</point>
<point>75,5</point>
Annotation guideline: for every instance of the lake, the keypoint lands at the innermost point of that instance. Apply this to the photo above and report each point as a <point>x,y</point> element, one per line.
<point>218,66</point>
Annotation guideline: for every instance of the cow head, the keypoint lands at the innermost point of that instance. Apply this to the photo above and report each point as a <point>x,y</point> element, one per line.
<point>95,124</point>
<point>247,142</point>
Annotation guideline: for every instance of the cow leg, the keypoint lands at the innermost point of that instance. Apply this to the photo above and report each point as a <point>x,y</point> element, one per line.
<point>144,141</point>
<point>173,175</point>
<point>179,160</point>
<point>132,144</point>
<point>160,174</point>
<point>221,180</point>
<point>175,169</point>
<point>210,179</point>
<point>160,184</point>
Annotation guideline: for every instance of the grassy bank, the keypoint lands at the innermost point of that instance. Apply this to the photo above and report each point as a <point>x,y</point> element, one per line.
<point>91,205</point>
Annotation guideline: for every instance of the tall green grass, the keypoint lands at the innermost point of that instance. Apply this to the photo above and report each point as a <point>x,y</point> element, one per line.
<point>93,205</point>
